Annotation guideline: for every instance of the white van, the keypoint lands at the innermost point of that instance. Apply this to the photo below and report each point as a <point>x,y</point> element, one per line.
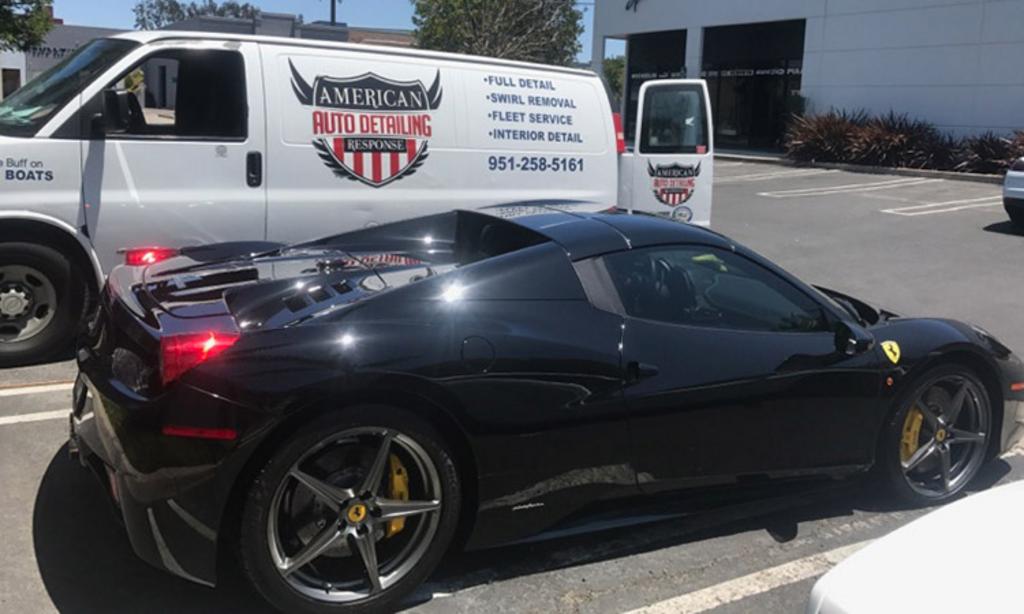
<point>154,140</point>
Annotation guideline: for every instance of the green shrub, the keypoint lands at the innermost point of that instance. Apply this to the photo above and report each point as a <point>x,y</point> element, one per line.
<point>823,138</point>
<point>896,140</point>
<point>989,153</point>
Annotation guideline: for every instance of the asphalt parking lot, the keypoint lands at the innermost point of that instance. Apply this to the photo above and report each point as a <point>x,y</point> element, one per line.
<point>920,246</point>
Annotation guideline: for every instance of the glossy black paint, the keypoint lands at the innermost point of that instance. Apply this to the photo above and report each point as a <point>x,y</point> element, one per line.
<point>551,400</point>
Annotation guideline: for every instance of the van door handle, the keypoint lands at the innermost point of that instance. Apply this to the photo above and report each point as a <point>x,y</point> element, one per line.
<point>636,371</point>
<point>254,169</point>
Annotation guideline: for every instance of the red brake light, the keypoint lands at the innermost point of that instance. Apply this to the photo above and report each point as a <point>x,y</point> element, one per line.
<point>180,353</point>
<point>141,256</point>
<point>198,432</point>
<point>620,134</point>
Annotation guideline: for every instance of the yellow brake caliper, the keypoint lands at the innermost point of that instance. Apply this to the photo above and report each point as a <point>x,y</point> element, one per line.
<point>911,433</point>
<point>398,488</point>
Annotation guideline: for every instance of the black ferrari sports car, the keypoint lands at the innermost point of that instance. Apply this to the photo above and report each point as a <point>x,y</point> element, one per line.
<point>337,414</point>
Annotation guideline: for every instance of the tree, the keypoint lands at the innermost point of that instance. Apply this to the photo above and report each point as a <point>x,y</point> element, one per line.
<point>544,31</point>
<point>614,74</point>
<point>24,23</point>
<point>155,14</point>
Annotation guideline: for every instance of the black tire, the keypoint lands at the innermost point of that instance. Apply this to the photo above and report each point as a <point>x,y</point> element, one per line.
<point>254,545</point>
<point>72,298</point>
<point>891,463</point>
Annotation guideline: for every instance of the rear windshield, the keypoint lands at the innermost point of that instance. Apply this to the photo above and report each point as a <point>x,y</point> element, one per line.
<point>454,238</point>
<point>27,110</point>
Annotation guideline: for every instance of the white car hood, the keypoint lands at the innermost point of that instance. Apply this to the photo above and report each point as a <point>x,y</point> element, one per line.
<point>965,557</point>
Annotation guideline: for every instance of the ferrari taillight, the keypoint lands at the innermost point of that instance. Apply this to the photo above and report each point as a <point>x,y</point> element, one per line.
<point>142,256</point>
<point>180,353</point>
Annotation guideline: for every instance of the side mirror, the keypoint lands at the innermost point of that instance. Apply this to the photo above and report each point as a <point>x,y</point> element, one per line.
<point>851,339</point>
<point>116,112</point>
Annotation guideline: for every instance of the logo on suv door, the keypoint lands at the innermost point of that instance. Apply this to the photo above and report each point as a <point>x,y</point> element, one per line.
<point>369,128</point>
<point>673,184</point>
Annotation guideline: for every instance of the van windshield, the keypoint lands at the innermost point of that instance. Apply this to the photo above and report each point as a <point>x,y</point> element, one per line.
<point>25,111</point>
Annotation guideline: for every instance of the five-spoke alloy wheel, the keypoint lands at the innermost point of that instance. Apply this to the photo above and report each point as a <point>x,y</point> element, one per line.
<point>939,438</point>
<point>356,519</point>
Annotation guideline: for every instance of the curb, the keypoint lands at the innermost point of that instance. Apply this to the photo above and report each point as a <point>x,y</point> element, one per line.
<point>871,170</point>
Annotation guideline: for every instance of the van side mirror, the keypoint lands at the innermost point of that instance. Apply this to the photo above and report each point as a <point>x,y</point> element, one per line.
<point>852,339</point>
<point>116,112</point>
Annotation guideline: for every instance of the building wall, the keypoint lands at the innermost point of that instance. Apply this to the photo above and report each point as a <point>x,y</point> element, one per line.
<point>956,63</point>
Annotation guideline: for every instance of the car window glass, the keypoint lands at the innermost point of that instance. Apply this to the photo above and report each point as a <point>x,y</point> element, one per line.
<point>673,120</point>
<point>193,93</point>
<point>701,286</point>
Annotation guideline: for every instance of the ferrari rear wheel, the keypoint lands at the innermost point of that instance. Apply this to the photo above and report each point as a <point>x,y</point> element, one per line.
<point>939,438</point>
<point>354,520</point>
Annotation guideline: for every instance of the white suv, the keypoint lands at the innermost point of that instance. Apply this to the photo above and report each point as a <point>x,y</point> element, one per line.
<point>1013,193</point>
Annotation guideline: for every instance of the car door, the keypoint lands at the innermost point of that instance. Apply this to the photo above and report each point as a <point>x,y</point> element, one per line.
<point>671,166</point>
<point>180,161</point>
<point>733,371</point>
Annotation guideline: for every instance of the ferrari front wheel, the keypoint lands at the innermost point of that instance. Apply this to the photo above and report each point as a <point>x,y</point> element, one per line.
<point>351,514</point>
<point>938,439</point>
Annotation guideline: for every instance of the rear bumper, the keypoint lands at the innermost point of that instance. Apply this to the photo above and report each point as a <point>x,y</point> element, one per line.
<point>170,492</point>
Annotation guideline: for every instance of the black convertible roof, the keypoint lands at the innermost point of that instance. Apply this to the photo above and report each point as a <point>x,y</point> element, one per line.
<point>586,234</point>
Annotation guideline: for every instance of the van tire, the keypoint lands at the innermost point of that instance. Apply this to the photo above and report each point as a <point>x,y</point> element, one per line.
<point>43,301</point>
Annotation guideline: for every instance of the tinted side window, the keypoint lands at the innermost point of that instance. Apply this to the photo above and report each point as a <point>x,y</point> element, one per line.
<point>186,93</point>
<point>701,286</point>
<point>673,120</point>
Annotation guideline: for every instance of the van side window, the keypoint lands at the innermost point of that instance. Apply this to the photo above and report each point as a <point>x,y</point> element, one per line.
<point>674,121</point>
<point>185,93</point>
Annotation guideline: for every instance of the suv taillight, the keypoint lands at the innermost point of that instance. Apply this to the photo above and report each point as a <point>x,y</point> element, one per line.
<point>181,353</point>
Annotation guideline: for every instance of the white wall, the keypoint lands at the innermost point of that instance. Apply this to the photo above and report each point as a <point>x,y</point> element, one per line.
<point>957,63</point>
<point>15,60</point>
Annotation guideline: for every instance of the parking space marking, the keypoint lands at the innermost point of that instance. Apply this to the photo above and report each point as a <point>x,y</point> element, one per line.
<point>38,416</point>
<point>752,584</point>
<point>803,172</point>
<point>15,391</point>
<point>946,207</point>
<point>850,188</point>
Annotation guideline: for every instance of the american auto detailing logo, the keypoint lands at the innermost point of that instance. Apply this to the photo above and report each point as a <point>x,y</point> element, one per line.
<point>369,128</point>
<point>673,184</point>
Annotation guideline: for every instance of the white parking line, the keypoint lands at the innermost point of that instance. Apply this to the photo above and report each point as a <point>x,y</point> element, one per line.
<point>752,584</point>
<point>38,416</point>
<point>35,389</point>
<point>946,207</point>
<point>804,172</point>
<point>850,188</point>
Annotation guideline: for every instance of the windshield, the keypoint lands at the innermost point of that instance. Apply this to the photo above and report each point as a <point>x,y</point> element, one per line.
<point>25,111</point>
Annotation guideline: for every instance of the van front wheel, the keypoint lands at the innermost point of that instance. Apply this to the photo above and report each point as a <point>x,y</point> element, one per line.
<point>42,303</point>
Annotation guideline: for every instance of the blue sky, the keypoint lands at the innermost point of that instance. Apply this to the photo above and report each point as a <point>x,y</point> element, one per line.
<point>368,13</point>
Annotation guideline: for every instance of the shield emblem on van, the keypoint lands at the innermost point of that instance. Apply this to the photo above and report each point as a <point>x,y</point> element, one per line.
<point>369,128</point>
<point>673,184</point>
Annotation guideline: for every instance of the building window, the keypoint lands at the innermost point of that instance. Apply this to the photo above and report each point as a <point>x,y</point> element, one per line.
<point>11,81</point>
<point>657,55</point>
<point>753,73</point>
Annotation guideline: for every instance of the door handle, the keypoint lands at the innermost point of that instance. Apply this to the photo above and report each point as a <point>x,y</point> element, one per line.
<point>636,371</point>
<point>254,169</point>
